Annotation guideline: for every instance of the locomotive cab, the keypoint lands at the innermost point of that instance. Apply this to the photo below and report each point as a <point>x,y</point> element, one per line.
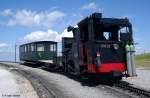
<point>101,45</point>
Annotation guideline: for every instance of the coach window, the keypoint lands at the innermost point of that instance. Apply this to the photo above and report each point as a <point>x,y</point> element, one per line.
<point>28,48</point>
<point>25,48</point>
<point>32,47</point>
<point>22,49</point>
<point>54,47</point>
<point>40,47</point>
<point>51,47</point>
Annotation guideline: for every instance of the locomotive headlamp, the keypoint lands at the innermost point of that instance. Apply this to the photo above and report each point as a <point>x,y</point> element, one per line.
<point>116,46</point>
<point>98,54</point>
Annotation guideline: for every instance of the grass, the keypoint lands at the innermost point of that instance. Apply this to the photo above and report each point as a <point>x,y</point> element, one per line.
<point>142,60</point>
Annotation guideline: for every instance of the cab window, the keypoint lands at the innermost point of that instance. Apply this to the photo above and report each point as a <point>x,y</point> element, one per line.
<point>106,35</point>
<point>106,32</point>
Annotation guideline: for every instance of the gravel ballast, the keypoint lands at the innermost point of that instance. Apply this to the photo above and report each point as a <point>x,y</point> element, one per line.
<point>65,87</point>
<point>142,80</point>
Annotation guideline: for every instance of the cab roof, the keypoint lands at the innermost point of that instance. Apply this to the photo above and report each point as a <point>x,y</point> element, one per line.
<point>97,17</point>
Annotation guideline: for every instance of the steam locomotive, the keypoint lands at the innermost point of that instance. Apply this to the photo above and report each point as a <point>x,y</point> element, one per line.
<point>100,47</point>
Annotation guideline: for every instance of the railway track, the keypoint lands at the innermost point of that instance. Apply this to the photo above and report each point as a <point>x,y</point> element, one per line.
<point>128,89</point>
<point>42,83</point>
<point>143,93</point>
<point>39,85</point>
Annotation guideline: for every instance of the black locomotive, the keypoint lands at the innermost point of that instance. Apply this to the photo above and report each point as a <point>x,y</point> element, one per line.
<point>101,47</point>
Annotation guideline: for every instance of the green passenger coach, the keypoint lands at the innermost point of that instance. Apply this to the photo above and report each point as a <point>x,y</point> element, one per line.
<point>39,51</point>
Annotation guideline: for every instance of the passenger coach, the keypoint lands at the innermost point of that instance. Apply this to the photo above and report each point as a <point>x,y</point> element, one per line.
<point>39,51</point>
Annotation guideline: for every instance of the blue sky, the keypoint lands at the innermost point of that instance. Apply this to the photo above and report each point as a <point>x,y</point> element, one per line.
<point>29,20</point>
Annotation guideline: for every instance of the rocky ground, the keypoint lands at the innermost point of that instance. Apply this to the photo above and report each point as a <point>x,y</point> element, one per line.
<point>142,80</point>
<point>49,85</point>
<point>64,87</point>
<point>13,85</point>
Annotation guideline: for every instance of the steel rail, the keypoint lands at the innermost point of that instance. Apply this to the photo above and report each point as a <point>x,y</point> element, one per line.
<point>129,87</point>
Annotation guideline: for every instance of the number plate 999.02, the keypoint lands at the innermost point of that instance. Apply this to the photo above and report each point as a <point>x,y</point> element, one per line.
<point>105,46</point>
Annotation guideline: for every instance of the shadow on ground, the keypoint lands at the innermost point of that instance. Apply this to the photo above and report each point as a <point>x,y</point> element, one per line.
<point>83,80</point>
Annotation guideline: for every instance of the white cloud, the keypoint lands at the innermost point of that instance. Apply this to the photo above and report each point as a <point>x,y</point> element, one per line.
<point>3,45</point>
<point>50,35</point>
<point>41,35</point>
<point>7,12</point>
<point>88,6</point>
<point>33,18</point>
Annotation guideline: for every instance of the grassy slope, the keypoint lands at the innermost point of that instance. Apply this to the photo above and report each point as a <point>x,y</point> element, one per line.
<point>143,60</point>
